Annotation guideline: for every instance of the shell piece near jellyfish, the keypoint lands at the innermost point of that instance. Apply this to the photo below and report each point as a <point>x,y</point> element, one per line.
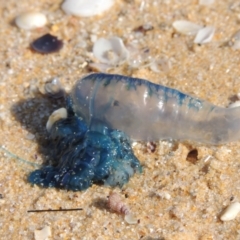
<point>86,8</point>
<point>58,114</point>
<point>110,51</point>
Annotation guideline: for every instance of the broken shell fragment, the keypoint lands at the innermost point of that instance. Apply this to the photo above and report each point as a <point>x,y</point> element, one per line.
<point>234,104</point>
<point>231,212</point>
<point>42,234</point>
<point>58,114</point>
<point>235,41</point>
<point>54,89</point>
<point>47,44</point>
<point>86,8</point>
<point>186,27</point>
<point>130,219</point>
<point>204,35</point>
<point>206,2</point>
<point>111,51</point>
<point>31,20</point>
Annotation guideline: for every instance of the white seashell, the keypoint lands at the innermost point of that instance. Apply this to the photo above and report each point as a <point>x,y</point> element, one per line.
<point>186,27</point>
<point>58,114</point>
<point>235,104</point>
<point>204,35</point>
<point>86,8</point>
<point>160,64</point>
<point>43,234</point>
<point>236,45</point>
<point>100,67</point>
<point>206,2</point>
<point>31,20</point>
<point>230,212</point>
<point>236,40</point>
<point>111,51</point>
<point>54,88</point>
<point>130,219</point>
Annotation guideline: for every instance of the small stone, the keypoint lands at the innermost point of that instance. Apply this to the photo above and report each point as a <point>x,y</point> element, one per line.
<point>31,20</point>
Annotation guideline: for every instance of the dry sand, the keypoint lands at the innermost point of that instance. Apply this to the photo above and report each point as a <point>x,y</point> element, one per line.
<point>174,198</point>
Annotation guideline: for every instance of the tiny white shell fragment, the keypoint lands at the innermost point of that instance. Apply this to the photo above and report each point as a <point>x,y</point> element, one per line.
<point>230,212</point>
<point>86,8</point>
<point>186,27</point>
<point>100,67</point>
<point>204,35</point>
<point>110,51</point>
<point>58,114</point>
<point>235,104</point>
<point>236,40</point>
<point>31,20</point>
<point>160,65</point>
<point>43,234</point>
<point>130,219</point>
<point>30,136</point>
<point>54,88</point>
<point>206,2</point>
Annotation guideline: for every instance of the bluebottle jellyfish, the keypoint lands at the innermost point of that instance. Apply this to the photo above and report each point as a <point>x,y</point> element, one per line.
<point>105,111</point>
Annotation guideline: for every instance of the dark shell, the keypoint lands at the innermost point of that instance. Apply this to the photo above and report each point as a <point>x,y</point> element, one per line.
<point>47,44</point>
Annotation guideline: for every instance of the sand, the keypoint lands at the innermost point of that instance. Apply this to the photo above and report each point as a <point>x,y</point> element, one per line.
<point>176,196</point>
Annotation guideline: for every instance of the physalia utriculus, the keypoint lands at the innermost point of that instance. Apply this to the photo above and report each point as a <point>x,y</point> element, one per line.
<point>92,145</point>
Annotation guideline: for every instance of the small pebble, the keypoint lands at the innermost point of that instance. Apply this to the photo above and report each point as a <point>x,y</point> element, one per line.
<point>47,44</point>
<point>231,212</point>
<point>31,20</point>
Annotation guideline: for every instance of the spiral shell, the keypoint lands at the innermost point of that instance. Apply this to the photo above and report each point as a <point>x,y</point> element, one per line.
<point>116,204</point>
